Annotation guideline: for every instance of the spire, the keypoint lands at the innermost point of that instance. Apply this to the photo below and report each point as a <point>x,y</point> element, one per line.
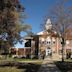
<point>48,21</point>
<point>48,24</point>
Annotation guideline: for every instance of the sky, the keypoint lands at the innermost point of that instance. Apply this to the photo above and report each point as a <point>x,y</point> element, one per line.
<point>36,10</point>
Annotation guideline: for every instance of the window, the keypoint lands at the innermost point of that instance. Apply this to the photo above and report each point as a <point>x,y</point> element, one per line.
<point>60,52</point>
<point>53,42</point>
<point>28,43</point>
<point>42,42</point>
<point>48,42</point>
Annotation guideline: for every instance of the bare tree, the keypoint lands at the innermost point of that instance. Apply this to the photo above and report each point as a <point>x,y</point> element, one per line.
<point>61,15</point>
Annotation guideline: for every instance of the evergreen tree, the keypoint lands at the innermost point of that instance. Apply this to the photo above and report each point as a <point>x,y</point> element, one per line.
<point>10,23</point>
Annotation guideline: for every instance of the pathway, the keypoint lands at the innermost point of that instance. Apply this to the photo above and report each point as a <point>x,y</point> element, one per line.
<point>48,66</point>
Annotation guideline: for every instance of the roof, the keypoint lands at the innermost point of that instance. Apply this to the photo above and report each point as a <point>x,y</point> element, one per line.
<point>45,33</point>
<point>69,37</point>
<point>48,21</point>
<point>40,33</point>
<point>28,37</point>
<point>69,34</point>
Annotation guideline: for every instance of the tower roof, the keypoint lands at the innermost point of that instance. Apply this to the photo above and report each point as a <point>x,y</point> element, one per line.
<point>48,24</point>
<point>48,21</point>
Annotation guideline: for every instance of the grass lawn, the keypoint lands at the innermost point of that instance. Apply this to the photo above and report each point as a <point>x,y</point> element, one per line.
<point>65,66</point>
<point>20,65</point>
<point>10,69</point>
<point>37,61</point>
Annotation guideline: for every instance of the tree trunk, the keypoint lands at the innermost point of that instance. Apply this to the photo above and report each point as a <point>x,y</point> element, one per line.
<point>63,44</point>
<point>62,53</point>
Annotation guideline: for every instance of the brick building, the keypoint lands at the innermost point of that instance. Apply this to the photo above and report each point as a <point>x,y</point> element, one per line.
<point>46,43</point>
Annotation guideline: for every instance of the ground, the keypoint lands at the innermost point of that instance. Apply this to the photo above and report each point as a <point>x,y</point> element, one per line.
<point>65,66</point>
<point>20,65</point>
<point>29,65</point>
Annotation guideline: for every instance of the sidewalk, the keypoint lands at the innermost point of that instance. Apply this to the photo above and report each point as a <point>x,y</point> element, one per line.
<point>48,66</point>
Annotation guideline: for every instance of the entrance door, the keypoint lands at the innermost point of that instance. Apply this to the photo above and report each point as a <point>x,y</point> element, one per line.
<point>48,51</point>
